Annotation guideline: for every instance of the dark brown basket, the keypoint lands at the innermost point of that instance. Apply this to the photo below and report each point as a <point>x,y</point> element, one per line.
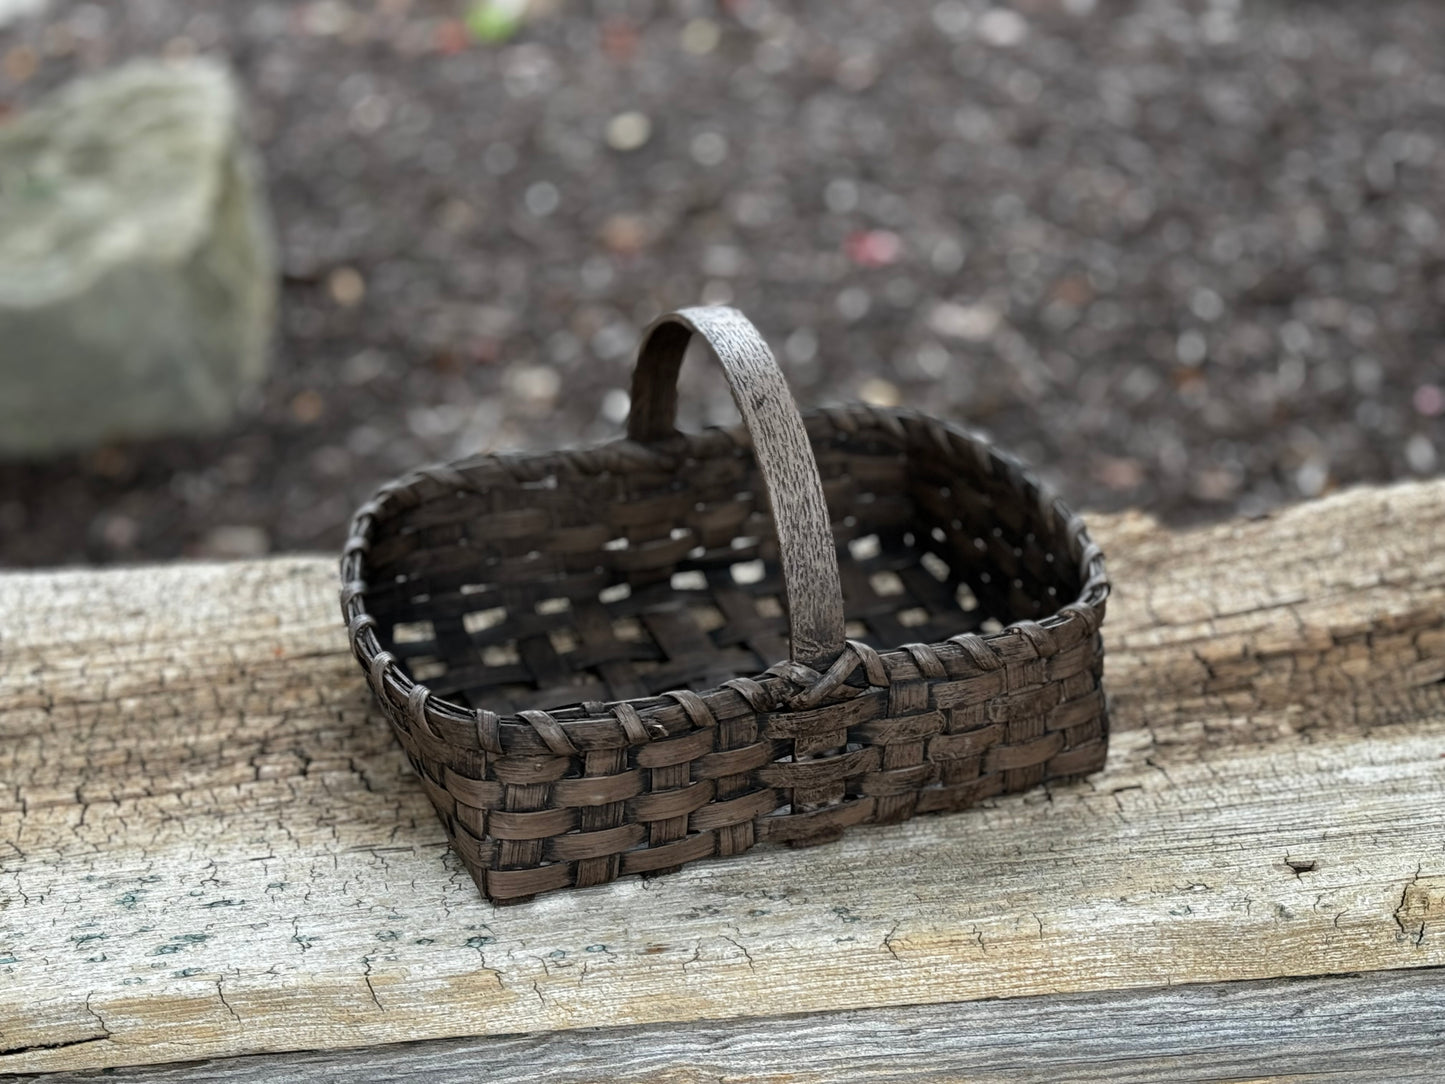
<point>579,650</point>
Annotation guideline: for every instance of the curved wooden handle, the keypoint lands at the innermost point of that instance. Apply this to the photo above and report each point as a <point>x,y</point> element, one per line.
<point>782,449</point>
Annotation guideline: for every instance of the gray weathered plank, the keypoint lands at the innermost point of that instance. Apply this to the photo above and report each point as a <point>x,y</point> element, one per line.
<point>1387,1024</point>
<point>211,846</point>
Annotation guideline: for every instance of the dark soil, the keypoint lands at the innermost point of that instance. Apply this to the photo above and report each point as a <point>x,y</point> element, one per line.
<point>1185,256</point>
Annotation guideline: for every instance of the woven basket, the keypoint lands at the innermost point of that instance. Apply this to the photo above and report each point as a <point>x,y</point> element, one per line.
<point>579,650</point>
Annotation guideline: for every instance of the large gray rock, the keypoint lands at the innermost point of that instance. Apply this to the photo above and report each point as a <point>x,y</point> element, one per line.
<point>137,270</point>
<point>12,11</point>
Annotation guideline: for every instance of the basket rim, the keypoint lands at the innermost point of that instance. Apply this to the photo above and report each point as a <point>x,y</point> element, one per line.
<point>784,686</point>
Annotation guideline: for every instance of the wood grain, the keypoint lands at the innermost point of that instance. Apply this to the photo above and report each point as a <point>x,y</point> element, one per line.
<point>209,844</point>
<point>1328,1029</point>
<point>783,451</point>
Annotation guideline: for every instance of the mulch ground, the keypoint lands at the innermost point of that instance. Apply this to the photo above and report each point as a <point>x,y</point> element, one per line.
<point>1183,256</point>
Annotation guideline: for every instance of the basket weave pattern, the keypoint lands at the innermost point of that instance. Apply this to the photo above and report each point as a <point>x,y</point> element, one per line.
<point>579,651</point>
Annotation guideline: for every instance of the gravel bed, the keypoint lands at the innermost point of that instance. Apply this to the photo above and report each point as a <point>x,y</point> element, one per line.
<point>1183,256</point>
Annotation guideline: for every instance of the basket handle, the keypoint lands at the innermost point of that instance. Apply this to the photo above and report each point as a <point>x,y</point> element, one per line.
<point>782,450</point>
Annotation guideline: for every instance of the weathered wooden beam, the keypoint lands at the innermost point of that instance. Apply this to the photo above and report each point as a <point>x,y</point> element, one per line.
<point>1336,1028</point>
<point>209,844</point>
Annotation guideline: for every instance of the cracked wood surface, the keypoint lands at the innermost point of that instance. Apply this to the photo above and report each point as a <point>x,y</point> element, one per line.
<point>1332,1028</point>
<point>210,845</point>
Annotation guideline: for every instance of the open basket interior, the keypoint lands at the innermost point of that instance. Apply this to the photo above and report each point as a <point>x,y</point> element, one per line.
<point>575,577</point>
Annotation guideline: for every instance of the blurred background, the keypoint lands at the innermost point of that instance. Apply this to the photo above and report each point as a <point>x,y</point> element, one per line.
<point>1186,255</point>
